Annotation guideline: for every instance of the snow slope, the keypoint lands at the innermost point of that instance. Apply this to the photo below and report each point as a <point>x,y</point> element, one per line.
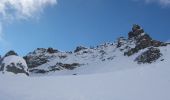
<point>93,63</point>
<point>144,82</point>
<point>91,60</point>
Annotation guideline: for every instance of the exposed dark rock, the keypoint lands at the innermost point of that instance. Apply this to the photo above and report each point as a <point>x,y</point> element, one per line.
<point>135,27</point>
<point>2,67</point>
<point>40,50</point>
<point>62,56</point>
<point>35,61</point>
<point>51,50</point>
<point>11,53</point>
<point>136,32</point>
<point>69,66</point>
<point>15,68</point>
<point>56,67</point>
<point>61,66</point>
<point>162,59</point>
<point>69,52</point>
<point>74,74</point>
<point>39,56</point>
<point>120,41</point>
<point>131,52</point>
<point>149,56</point>
<point>79,48</point>
<point>39,71</point>
<point>142,39</point>
<point>85,51</point>
<point>156,43</point>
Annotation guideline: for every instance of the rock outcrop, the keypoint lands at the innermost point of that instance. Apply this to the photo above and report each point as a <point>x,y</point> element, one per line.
<point>38,57</point>
<point>149,56</point>
<point>11,52</point>
<point>143,40</point>
<point>79,48</point>
<point>51,50</point>
<point>11,62</point>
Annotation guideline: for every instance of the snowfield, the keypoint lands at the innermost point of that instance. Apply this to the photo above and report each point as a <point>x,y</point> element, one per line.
<point>141,83</point>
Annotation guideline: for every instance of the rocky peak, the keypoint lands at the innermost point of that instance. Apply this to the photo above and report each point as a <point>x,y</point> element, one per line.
<point>79,48</point>
<point>11,52</point>
<point>142,40</point>
<point>51,50</point>
<point>40,56</point>
<point>136,32</point>
<point>121,41</point>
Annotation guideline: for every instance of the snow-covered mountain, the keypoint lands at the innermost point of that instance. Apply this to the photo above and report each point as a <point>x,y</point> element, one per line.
<point>133,68</point>
<point>138,48</point>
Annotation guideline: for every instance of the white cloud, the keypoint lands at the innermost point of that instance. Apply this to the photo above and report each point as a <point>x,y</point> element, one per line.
<point>22,9</point>
<point>161,2</point>
<point>12,10</point>
<point>1,32</point>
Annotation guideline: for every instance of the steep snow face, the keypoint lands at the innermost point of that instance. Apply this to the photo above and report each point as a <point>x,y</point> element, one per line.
<point>14,64</point>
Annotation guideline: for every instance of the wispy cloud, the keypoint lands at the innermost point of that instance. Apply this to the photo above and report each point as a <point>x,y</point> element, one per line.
<point>0,32</point>
<point>13,10</point>
<point>164,3</point>
<point>22,9</point>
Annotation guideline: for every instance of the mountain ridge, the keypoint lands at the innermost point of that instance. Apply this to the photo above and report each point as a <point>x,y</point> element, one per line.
<point>42,61</point>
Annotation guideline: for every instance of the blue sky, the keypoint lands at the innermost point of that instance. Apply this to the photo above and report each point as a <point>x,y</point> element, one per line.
<point>70,23</point>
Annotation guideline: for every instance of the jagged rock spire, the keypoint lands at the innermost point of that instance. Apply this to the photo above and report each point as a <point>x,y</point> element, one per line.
<point>136,32</point>
<point>142,40</point>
